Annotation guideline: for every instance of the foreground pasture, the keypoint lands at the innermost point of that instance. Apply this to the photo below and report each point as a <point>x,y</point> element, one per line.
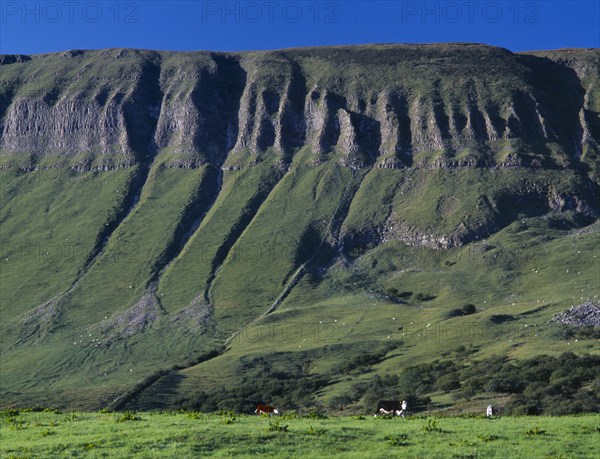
<point>191,434</point>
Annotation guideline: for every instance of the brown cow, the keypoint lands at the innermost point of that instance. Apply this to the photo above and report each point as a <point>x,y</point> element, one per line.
<point>266,409</point>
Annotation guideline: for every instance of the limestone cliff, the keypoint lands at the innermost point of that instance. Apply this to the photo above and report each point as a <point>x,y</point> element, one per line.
<point>433,106</point>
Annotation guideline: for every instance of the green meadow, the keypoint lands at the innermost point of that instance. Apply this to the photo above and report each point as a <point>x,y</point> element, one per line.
<point>192,434</point>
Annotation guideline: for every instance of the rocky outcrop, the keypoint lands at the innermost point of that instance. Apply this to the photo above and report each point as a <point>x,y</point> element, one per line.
<point>145,314</point>
<point>69,127</point>
<point>132,321</point>
<point>395,228</point>
<point>412,106</point>
<point>385,107</point>
<point>193,318</point>
<point>561,202</point>
<point>584,315</point>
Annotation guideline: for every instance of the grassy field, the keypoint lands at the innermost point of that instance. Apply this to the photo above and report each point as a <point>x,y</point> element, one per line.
<point>191,434</point>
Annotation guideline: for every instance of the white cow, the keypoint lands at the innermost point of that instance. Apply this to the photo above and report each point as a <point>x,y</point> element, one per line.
<point>403,406</point>
<point>489,412</point>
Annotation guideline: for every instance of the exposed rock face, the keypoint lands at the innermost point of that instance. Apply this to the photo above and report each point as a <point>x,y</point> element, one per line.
<point>147,313</point>
<point>415,237</point>
<point>134,320</point>
<point>584,315</point>
<point>427,106</point>
<point>70,127</point>
<point>192,318</point>
<point>399,107</point>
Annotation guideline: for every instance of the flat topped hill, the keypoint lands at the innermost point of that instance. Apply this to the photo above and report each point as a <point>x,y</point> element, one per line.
<point>179,225</point>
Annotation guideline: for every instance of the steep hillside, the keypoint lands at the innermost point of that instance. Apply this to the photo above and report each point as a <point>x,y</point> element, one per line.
<point>176,225</point>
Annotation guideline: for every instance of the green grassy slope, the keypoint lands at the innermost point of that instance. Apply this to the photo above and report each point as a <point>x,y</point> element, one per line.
<point>50,222</point>
<point>255,214</point>
<point>527,273</point>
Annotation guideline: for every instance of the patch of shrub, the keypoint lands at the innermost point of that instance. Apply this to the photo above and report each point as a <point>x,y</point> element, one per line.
<point>566,384</point>
<point>128,416</point>
<point>72,416</point>
<point>362,362</point>
<point>15,424</point>
<point>229,417</point>
<point>521,406</point>
<point>465,310</point>
<point>431,426</point>
<point>292,387</point>
<point>463,351</point>
<point>50,410</point>
<point>561,385</point>
<point>316,432</point>
<point>277,426</point>
<point>488,437</point>
<point>447,383</point>
<point>339,402</point>
<point>468,309</point>
<point>357,390</point>
<point>393,292</point>
<point>569,332</point>
<point>424,297</point>
<point>315,414</point>
<point>397,440</point>
<point>195,414</point>
<point>511,383</point>
<point>535,431</point>
<point>591,429</point>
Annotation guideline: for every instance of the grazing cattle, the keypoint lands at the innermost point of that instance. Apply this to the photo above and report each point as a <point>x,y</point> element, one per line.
<point>266,409</point>
<point>391,407</point>
<point>404,406</point>
<point>489,411</point>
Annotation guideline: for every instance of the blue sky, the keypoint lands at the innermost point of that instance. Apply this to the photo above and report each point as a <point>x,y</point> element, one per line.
<point>45,26</point>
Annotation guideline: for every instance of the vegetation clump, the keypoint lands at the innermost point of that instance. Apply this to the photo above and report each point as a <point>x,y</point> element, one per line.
<point>488,437</point>
<point>128,416</point>
<point>432,426</point>
<point>277,426</point>
<point>465,310</point>
<point>535,431</point>
<point>397,439</point>
<point>228,417</point>
<point>542,385</point>
<point>314,431</point>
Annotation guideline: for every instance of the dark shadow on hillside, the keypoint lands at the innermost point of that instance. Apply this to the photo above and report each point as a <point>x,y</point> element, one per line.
<point>498,319</point>
<point>158,396</point>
